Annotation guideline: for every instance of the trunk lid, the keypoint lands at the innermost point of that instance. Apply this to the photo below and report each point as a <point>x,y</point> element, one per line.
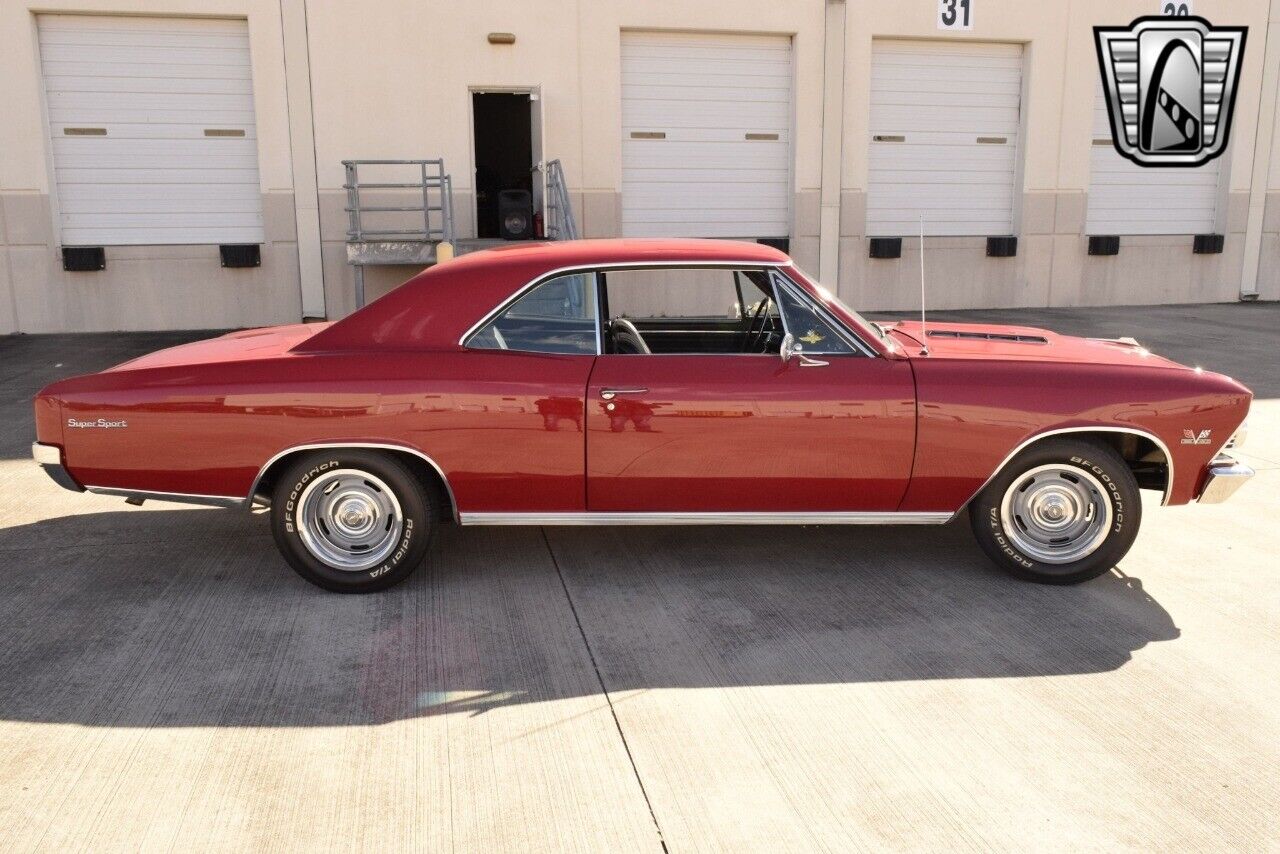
<point>247,344</point>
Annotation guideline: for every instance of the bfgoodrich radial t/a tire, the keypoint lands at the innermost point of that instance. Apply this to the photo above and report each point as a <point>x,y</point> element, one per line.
<point>1061,512</point>
<point>351,521</point>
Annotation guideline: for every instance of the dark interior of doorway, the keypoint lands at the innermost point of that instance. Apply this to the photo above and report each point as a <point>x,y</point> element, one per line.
<point>504,153</point>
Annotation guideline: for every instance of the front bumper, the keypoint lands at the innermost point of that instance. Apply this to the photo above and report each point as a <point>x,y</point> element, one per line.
<point>50,459</point>
<point>1226,475</point>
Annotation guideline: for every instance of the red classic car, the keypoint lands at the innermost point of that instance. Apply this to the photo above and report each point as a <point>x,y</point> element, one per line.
<point>656,382</point>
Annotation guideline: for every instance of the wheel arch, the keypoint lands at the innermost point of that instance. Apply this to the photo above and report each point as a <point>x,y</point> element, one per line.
<point>1145,453</point>
<point>427,470</point>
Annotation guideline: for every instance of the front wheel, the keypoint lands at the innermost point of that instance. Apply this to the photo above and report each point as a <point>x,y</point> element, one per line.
<point>1061,512</point>
<point>351,521</point>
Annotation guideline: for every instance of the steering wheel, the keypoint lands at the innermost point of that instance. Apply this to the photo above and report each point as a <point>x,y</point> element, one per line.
<point>626,338</point>
<point>754,336</point>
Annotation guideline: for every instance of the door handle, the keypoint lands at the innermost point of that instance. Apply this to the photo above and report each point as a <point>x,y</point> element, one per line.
<point>611,393</point>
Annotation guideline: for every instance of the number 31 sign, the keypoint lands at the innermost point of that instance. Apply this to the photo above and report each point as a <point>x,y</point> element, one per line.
<point>955,15</point>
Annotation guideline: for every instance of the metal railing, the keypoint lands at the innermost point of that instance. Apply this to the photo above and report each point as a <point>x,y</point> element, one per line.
<point>408,232</point>
<point>433,202</point>
<point>561,224</point>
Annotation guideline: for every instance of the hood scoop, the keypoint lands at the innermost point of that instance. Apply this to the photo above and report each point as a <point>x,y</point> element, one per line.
<point>987,336</point>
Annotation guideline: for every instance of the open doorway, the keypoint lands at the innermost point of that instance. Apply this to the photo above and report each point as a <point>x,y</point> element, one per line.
<point>508,191</point>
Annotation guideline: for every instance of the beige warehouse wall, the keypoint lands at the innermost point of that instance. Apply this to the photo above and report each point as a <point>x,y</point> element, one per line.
<point>142,287</point>
<point>394,81</point>
<point>1052,266</point>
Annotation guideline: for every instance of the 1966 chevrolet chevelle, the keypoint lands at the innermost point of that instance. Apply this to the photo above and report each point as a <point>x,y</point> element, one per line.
<point>648,382</point>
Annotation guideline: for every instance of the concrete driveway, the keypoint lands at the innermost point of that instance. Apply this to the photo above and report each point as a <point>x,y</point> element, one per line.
<point>169,683</point>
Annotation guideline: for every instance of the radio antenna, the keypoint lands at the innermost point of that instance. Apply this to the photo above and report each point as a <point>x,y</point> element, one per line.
<point>924,333</point>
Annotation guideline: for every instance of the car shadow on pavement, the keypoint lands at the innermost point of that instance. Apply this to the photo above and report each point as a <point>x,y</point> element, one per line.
<point>190,618</point>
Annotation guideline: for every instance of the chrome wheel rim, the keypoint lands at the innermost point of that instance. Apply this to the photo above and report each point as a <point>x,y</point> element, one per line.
<point>349,519</point>
<point>1056,513</point>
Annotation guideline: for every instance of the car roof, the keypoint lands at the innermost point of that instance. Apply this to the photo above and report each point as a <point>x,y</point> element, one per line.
<point>433,309</point>
<point>573,253</point>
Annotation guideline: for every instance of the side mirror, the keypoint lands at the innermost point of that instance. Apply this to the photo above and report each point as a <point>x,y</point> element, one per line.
<point>793,349</point>
<point>788,347</point>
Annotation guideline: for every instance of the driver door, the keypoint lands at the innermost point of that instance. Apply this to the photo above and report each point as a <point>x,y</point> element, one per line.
<point>700,426</point>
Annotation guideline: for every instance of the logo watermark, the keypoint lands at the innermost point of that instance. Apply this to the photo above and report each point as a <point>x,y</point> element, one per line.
<point>1170,85</point>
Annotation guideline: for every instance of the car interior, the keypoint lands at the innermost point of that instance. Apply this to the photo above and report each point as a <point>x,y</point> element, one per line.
<point>677,310</point>
<point>660,310</point>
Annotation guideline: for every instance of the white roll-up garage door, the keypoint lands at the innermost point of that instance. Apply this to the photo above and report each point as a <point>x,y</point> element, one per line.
<point>944,137</point>
<point>706,135</point>
<point>152,129</point>
<point>1125,198</point>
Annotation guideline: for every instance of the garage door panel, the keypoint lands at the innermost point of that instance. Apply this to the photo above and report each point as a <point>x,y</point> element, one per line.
<point>174,86</point>
<point>697,135</point>
<point>941,155</point>
<point>162,204</point>
<point>1125,198</point>
<point>139,57</point>
<point>130,192</point>
<point>156,71</point>
<point>757,178</point>
<point>730,93</point>
<point>970,120</point>
<point>705,93</point>
<point>157,131</point>
<point>724,196</point>
<point>990,98</point>
<point>212,162</point>
<point>135,100</point>
<point>948,53</point>
<point>153,89</point>
<point>707,113</point>
<point>724,230</point>
<point>953,177</point>
<point>693,156</point>
<point>109,146</point>
<point>199,34</point>
<point>911,78</point>
<point>163,236</point>
<point>983,194</point>
<point>95,116</point>
<point>944,125</point>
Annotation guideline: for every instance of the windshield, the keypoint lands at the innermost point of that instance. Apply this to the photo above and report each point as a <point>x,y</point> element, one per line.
<point>840,305</point>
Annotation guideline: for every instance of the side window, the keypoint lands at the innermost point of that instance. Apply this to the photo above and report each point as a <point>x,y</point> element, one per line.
<point>811,329</point>
<point>684,310</point>
<point>557,316</point>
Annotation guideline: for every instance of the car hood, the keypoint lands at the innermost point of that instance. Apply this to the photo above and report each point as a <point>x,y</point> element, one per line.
<point>263,343</point>
<point>1022,343</point>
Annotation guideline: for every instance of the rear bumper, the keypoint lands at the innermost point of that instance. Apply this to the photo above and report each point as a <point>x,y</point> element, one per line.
<point>1226,475</point>
<point>50,459</point>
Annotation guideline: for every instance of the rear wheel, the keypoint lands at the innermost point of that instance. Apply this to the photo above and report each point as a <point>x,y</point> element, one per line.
<point>351,521</point>
<point>1061,512</point>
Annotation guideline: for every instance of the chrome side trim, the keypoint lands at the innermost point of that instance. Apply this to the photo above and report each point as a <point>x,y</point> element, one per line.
<point>1137,431</point>
<point>176,497</point>
<point>1226,475</point>
<point>730,518</point>
<point>46,455</point>
<point>324,446</point>
<point>606,267</point>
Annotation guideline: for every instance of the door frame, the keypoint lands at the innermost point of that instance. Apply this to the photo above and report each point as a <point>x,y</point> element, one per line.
<point>537,136</point>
